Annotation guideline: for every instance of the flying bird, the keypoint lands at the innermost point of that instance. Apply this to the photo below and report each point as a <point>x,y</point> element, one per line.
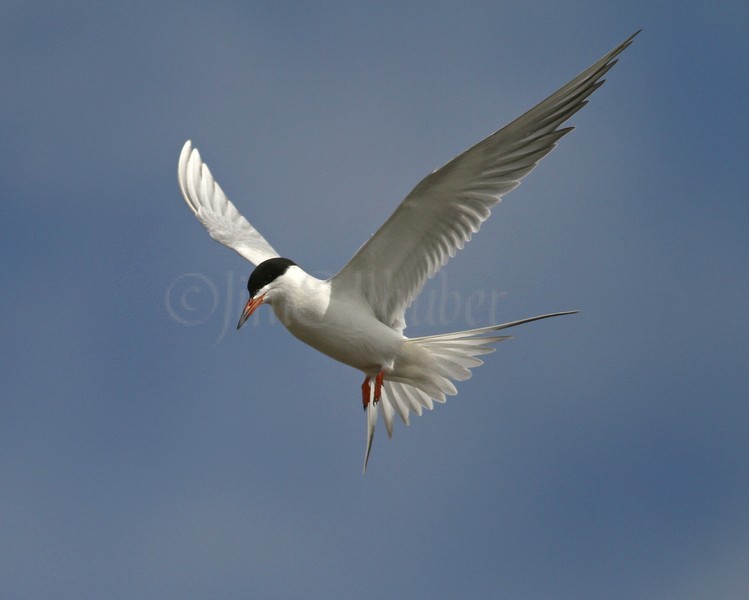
<point>357,316</point>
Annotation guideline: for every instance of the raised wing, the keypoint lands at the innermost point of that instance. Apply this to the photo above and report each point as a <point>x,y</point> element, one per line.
<point>216,212</point>
<point>448,206</point>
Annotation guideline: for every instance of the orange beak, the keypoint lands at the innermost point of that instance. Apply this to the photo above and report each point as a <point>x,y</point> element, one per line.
<point>249,308</point>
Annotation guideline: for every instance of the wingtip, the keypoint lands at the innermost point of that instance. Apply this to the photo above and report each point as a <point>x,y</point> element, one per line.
<point>184,154</point>
<point>182,173</point>
<point>626,43</point>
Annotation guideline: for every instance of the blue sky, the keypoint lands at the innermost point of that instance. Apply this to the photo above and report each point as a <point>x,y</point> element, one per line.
<point>147,450</point>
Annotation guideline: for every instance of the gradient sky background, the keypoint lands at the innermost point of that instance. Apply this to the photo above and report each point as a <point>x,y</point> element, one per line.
<point>147,450</point>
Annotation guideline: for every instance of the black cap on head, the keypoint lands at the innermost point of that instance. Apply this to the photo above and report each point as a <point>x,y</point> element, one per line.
<point>266,272</point>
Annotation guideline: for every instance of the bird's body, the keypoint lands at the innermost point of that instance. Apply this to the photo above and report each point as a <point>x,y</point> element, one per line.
<point>334,322</point>
<point>357,317</point>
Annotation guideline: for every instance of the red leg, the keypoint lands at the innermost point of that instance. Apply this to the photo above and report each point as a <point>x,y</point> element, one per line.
<point>365,393</point>
<point>378,386</point>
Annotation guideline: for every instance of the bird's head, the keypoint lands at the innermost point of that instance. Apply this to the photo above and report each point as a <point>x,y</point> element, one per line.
<point>261,284</point>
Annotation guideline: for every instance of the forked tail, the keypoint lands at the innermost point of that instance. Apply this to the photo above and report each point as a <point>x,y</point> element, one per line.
<point>453,355</point>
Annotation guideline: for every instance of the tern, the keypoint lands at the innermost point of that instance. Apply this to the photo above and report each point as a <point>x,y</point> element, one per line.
<point>357,316</point>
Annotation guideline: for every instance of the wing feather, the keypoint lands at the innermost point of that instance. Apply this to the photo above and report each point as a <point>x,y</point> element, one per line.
<point>448,206</point>
<point>215,211</point>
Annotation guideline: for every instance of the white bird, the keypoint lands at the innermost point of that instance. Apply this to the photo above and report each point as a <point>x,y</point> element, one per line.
<point>357,317</point>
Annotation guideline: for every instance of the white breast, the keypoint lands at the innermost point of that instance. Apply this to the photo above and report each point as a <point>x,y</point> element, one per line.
<point>342,327</point>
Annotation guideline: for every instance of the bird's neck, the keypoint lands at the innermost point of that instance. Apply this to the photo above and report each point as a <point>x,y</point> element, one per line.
<point>302,298</point>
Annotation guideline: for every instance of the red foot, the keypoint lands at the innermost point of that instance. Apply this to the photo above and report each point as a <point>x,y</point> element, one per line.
<point>365,389</point>
<point>378,386</point>
<point>365,393</point>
